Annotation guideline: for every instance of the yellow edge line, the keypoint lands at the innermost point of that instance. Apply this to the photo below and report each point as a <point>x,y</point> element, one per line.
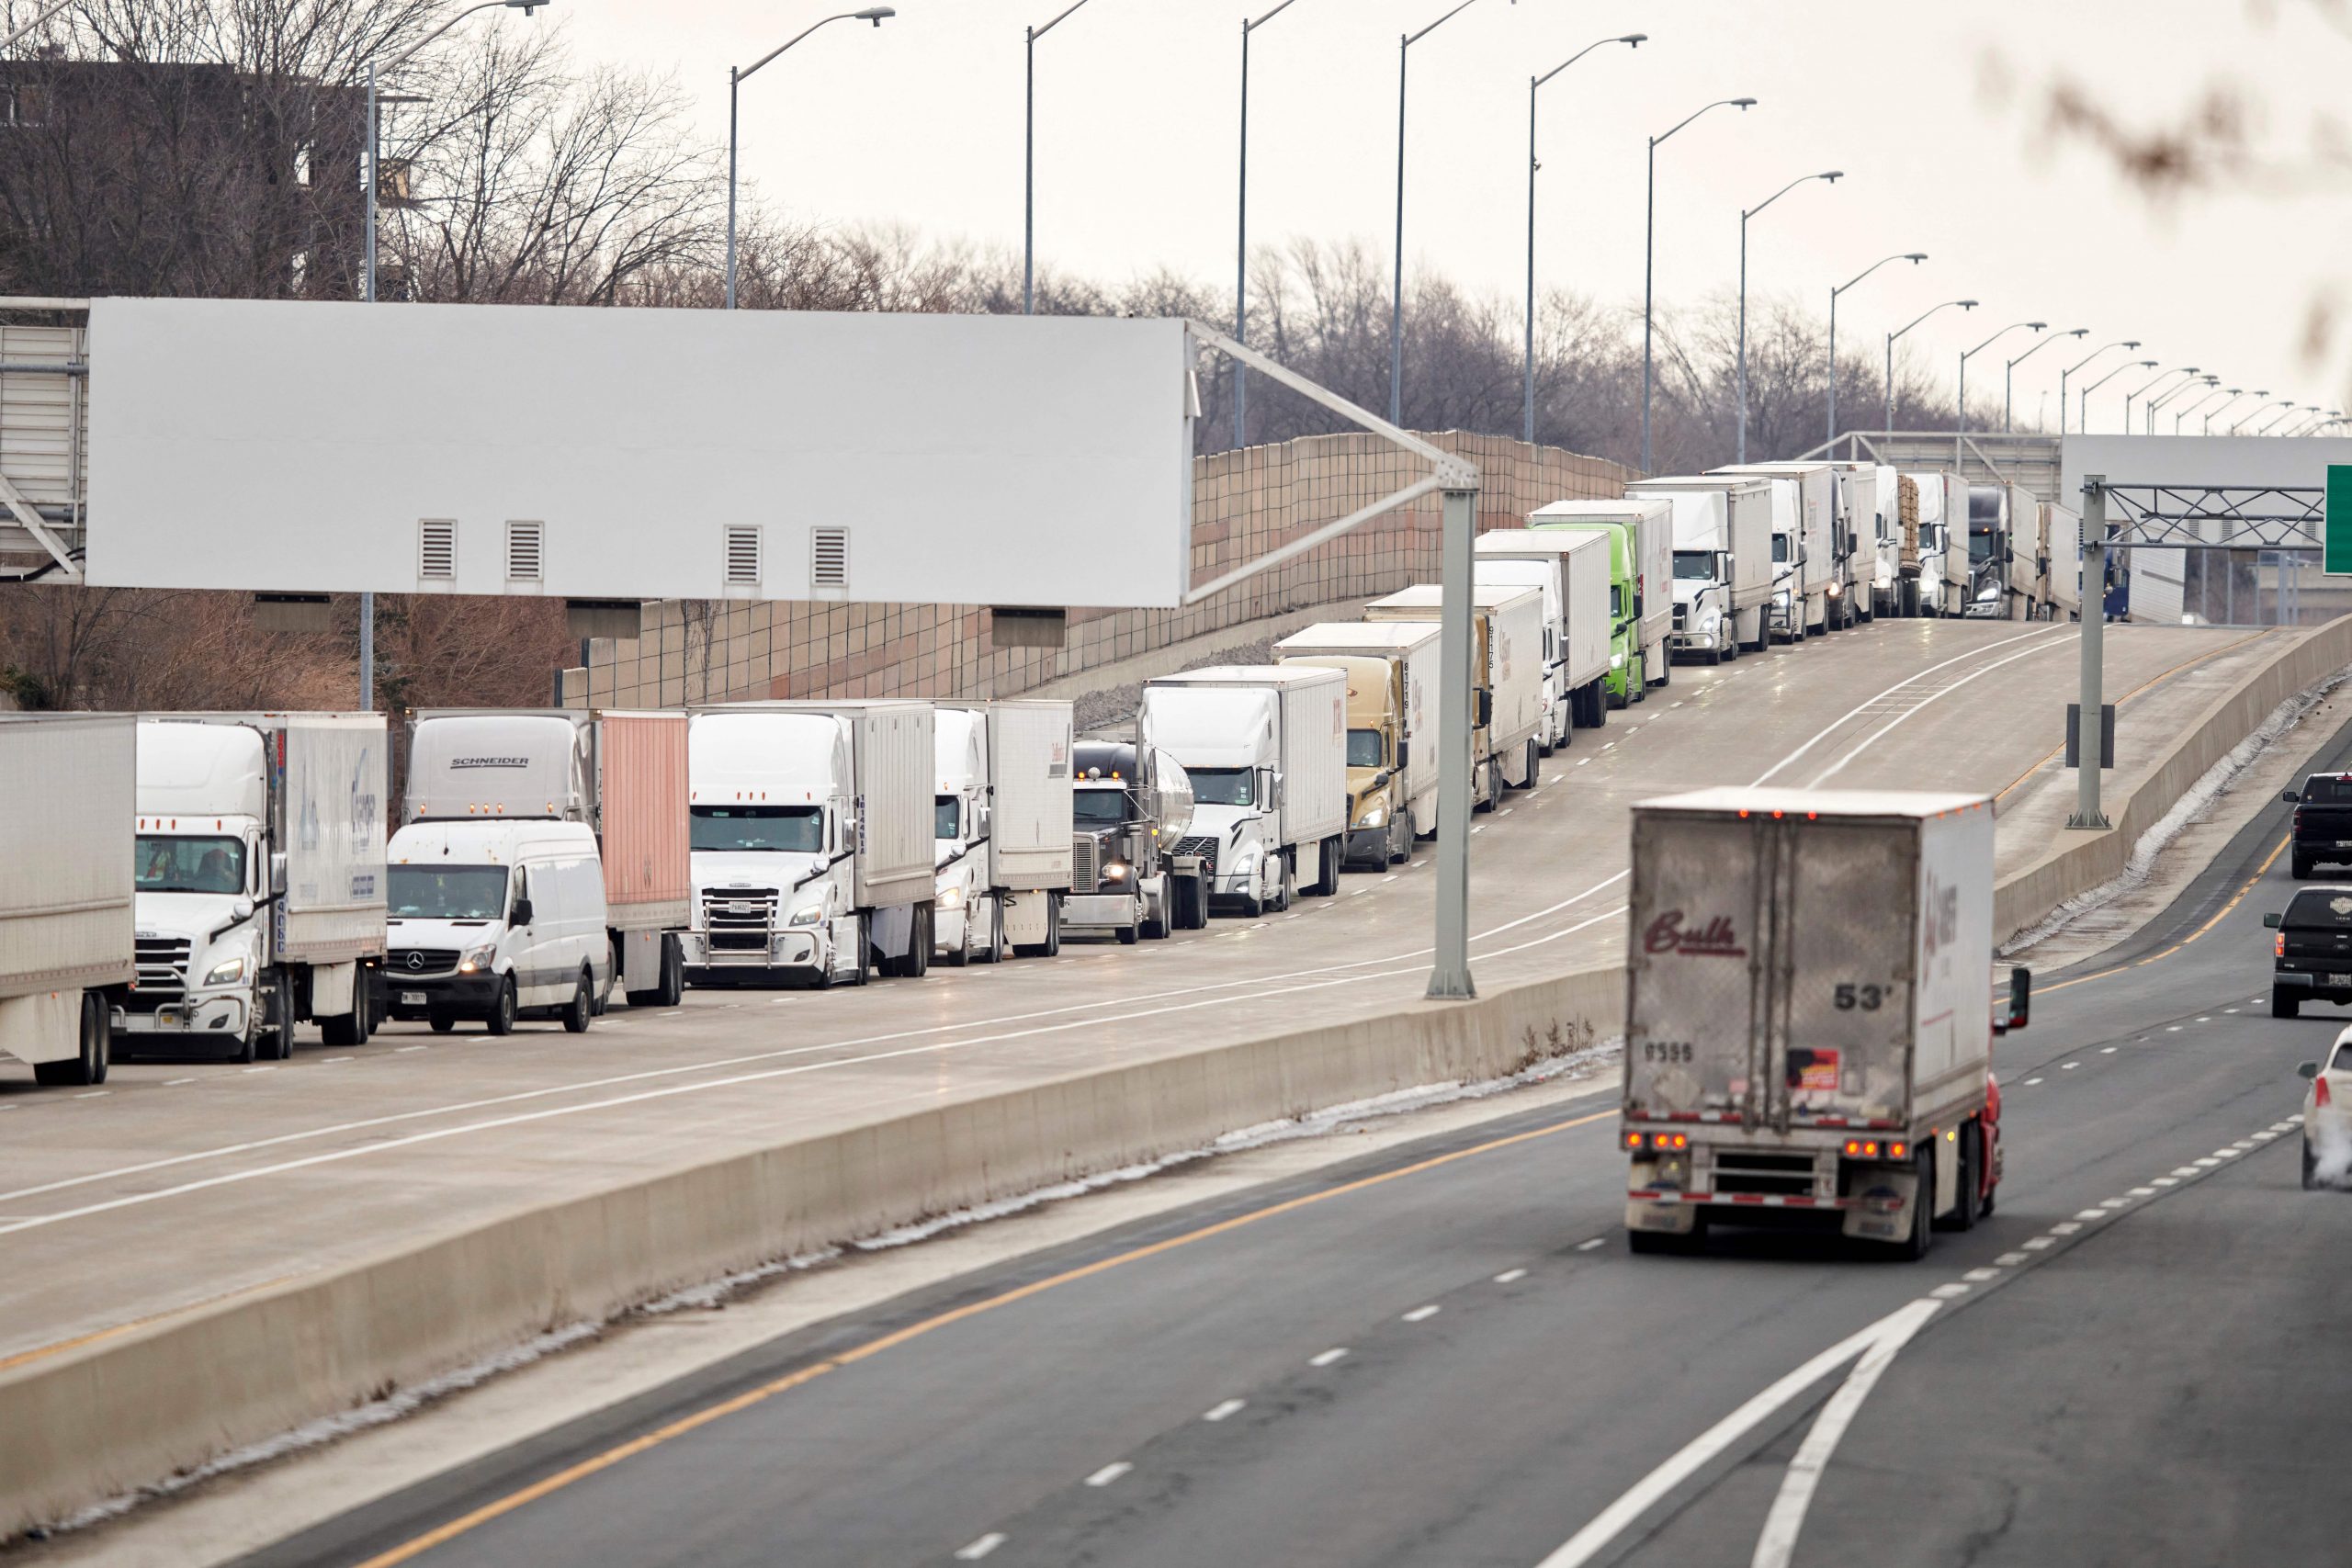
<point>444,1534</point>
<point>2236,899</point>
<point>2153,679</point>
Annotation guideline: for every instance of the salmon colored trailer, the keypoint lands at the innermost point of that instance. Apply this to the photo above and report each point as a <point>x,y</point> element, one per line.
<point>641,818</point>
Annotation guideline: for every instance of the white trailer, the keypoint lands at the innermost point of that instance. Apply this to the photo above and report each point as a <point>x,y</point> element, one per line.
<point>261,880</point>
<point>2062,551</point>
<point>622,774</point>
<point>1943,541</point>
<point>1808,1026</point>
<point>1004,831</point>
<point>1507,670</point>
<point>1266,749</point>
<point>1886,502</point>
<point>66,888</point>
<point>1572,569</point>
<point>812,840</point>
<point>1642,590</point>
<point>1828,562</point>
<point>1392,701</point>
<point>1723,559</point>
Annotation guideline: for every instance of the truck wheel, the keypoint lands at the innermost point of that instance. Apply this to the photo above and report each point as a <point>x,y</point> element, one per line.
<point>994,951</point>
<point>1923,1208</point>
<point>502,1011</point>
<point>583,1003</point>
<point>88,1066</point>
<point>1288,892</point>
<point>1534,773</point>
<point>441,1022</point>
<point>864,952</point>
<point>344,1029</point>
<point>673,972</point>
<point>1157,926</point>
<point>1131,934</point>
<point>1333,853</point>
<point>961,956</point>
<point>2285,1003</point>
<point>1052,925</point>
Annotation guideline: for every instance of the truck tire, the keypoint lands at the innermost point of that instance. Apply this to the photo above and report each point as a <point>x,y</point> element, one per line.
<point>582,1006</point>
<point>88,1066</point>
<point>441,1022</point>
<point>1196,903</point>
<point>1288,892</point>
<point>503,1010</point>
<point>1131,934</point>
<point>864,952</point>
<point>1155,927</point>
<point>917,963</point>
<point>1923,1209</point>
<point>962,956</point>
<point>994,951</point>
<point>278,1044</point>
<point>1533,772</point>
<point>2285,1003</point>
<point>343,1029</point>
<point>1052,925</point>
<point>1328,884</point>
<point>673,972</point>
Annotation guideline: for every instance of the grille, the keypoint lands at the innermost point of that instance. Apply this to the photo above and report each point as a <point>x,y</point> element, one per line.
<point>525,551</point>
<point>743,552</point>
<point>436,549</point>
<point>739,919</point>
<point>163,967</point>
<point>1682,616</point>
<point>420,961</point>
<point>1203,847</point>
<point>1084,873</point>
<point>829,557</point>
<point>1752,1170</point>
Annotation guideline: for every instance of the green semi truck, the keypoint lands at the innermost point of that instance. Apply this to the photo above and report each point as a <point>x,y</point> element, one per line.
<point>1641,579</point>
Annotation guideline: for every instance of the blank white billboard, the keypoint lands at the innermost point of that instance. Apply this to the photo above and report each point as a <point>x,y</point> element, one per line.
<point>2297,462</point>
<point>639,453</point>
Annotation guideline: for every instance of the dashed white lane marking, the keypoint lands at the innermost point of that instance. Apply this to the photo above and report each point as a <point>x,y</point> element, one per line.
<point>174,1083</point>
<point>680,1014</point>
<point>1479,828</point>
<point>2226,1154</point>
<point>1224,1408</point>
<point>1674,705</point>
<point>2068,1067</point>
<point>2039,1243</point>
<point>2207,1161</point>
<point>1946,1292</point>
<point>2183,1170</point>
<point>331,1061</point>
<point>980,1547</point>
<point>2209,1019</point>
<point>2165,1180</point>
<point>2288,1126</point>
<point>2107,1049</point>
<point>2064,1227</point>
<point>2172,1029</point>
<point>1325,1357</point>
<point>1390,877</point>
<point>1588,1246</point>
<point>1507,1275</point>
<point>403,1050</point>
<point>1582,761</point>
<point>1108,1473</point>
<point>2143,1192</point>
<point>1422,1314</point>
<point>1978,1276</point>
<point>2030,1082</point>
<point>2114,1203</point>
<point>94,1094</point>
<point>2090,1214</point>
<point>261,1070</point>
<point>2229,1010</point>
<point>1506,811</point>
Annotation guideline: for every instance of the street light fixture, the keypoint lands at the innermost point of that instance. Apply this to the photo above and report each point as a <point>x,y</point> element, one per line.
<point>1029,164</point>
<point>1634,41</point>
<point>2009,372</point>
<point>1831,177</point>
<point>2144,387</point>
<point>2193,381</point>
<point>1915,257</point>
<point>375,179</point>
<point>1396,295</point>
<point>1241,233</point>
<point>1650,254</point>
<point>2094,386</point>
<point>2013,326</point>
<point>878,15</point>
<point>2064,374</point>
<point>2256,413</point>
<point>1963,304</point>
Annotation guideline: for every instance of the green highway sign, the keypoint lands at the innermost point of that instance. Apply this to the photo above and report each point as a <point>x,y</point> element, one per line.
<point>2337,557</point>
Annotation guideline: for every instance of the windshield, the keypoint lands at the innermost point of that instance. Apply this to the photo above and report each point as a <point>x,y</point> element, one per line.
<point>1617,600</point>
<point>2321,908</point>
<point>1980,544</point>
<point>1364,750</point>
<point>447,893</point>
<point>1694,566</point>
<point>1098,807</point>
<point>2327,789</point>
<point>1223,787</point>
<point>190,866</point>
<point>1780,546</point>
<point>792,829</point>
<point>948,817</point>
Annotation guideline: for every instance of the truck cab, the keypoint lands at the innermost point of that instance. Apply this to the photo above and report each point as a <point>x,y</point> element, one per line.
<point>1130,814</point>
<point>1784,613</point>
<point>1988,553</point>
<point>771,826</point>
<point>202,878</point>
<point>969,923</point>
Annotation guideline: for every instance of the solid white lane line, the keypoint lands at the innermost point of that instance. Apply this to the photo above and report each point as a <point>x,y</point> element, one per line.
<point>1219,1411</point>
<point>1778,1542</point>
<point>980,1547</point>
<point>1834,724</point>
<point>1642,1495</point>
<point>1420,1314</point>
<point>1840,765</point>
<point>1324,1359</point>
<point>1507,1275</point>
<point>1108,1473</point>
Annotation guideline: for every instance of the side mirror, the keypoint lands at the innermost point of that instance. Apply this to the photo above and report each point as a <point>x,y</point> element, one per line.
<point>2020,997</point>
<point>1404,751</point>
<point>1637,606</point>
<point>2307,1070</point>
<point>981,816</point>
<point>2291,798</point>
<point>2272,922</point>
<point>1378,779</point>
<point>243,908</point>
<point>1486,708</point>
<point>277,875</point>
<point>520,914</point>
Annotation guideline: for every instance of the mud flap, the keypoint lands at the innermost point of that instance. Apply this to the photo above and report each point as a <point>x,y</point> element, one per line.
<point>1882,1222</point>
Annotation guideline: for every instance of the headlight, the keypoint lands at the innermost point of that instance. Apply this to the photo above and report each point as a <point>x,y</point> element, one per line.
<point>1616,662</point>
<point>1987,594</point>
<point>1835,588</point>
<point>816,912</point>
<point>1781,598</point>
<point>234,969</point>
<point>1374,816</point>
<point>1116,871</point>
<point>1245,862</point>
<point>949,898</point>
<point>480,958</point>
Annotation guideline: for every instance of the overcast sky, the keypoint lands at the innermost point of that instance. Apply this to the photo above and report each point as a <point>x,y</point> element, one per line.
<point>1934,108</point>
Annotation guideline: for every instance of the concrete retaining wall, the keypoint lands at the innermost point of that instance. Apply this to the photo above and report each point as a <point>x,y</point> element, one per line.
<point>107,1416</point>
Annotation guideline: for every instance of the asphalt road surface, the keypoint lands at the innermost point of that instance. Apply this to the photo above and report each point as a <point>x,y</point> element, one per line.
<point>1445,1355</point>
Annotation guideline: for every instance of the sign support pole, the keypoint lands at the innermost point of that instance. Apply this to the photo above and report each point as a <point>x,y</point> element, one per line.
<point>1450,964</point>
<point>2088,752</point>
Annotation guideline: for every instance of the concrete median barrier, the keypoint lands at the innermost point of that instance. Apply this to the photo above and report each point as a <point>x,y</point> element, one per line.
<point>97,1418</point>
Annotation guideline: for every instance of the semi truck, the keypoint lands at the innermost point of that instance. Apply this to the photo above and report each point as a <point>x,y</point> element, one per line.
<point>1002,836</point>
<point>1809,1014</point>
<point>2060,531</point>
<point>1571,567</point>
<point>1784,613</point>
<point>1943,558</point>
<point>1265,748</point>
<point>260,880</point>
<point>1991,552</point>
<point>1827,536</point>
<point>1392,672</point>
<point>1723,561</point>
<point>1132,808</point>
<point>812,849</point>
<point>621,774</point>
<point>67,899</point>
<point>1506,677</point>
<point>1887,566</point>
<point>1641,568</point>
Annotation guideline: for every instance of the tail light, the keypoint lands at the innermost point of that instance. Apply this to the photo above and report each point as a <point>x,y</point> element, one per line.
<point>2319,1091</point>
<point>1637,1140</point>
<point>2278,945</point>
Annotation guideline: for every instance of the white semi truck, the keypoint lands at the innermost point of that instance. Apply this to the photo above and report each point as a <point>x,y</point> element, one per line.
<point>1506,677</point>
<point>1392,671</point>
<point>1828,539</point>
<point>1266,749</point>
<point>1002,834</point>
<point>621,773</point>
<point>1943,541</point>
<point>261,881</point>
<point>66,898</point>
<point>1571,567</point>
<point>1808,1015</point>
<point>1723,561</point>
<point>812,849</point>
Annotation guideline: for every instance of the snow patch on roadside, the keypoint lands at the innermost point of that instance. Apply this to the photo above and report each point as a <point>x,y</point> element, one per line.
<point>2193,803</point>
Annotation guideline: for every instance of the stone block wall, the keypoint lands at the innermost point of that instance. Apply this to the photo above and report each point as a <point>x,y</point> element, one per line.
<point>1245,503</point>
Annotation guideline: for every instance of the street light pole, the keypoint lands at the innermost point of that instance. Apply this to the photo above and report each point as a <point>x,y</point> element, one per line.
<point>2193,381</point>
<point>1527,421</point>
<point>1649,258</point>
<point>1961,432</point>
<point>2009,372</point>
<point>1241,235</point>
<point>367,265</point>
<point>1029,164</point>
<point>2288,412</point>
<point>1963,304</point>
<point>2142,390</point>
<point>2235,393</point>
<point>2069,371</point>
<point>1831,177</point>
<point>1915,257</point>
<point>2255,413</point>
<point>2094,386</point>
<point>1396,278</point>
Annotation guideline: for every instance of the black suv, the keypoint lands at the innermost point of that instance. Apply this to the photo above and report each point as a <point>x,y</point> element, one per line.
<point>2311,957</point>
<point>2323,822</point>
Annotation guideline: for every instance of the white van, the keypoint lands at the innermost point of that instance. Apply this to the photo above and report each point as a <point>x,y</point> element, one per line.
<point>496,921</point>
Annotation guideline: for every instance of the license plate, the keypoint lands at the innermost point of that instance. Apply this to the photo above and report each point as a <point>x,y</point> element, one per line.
<point>166,1018</point>
<point>411,998</point>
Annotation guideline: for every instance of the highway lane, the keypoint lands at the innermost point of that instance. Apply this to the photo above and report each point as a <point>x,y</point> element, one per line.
<point>249,1176</point>
<point>2133,1360</point>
